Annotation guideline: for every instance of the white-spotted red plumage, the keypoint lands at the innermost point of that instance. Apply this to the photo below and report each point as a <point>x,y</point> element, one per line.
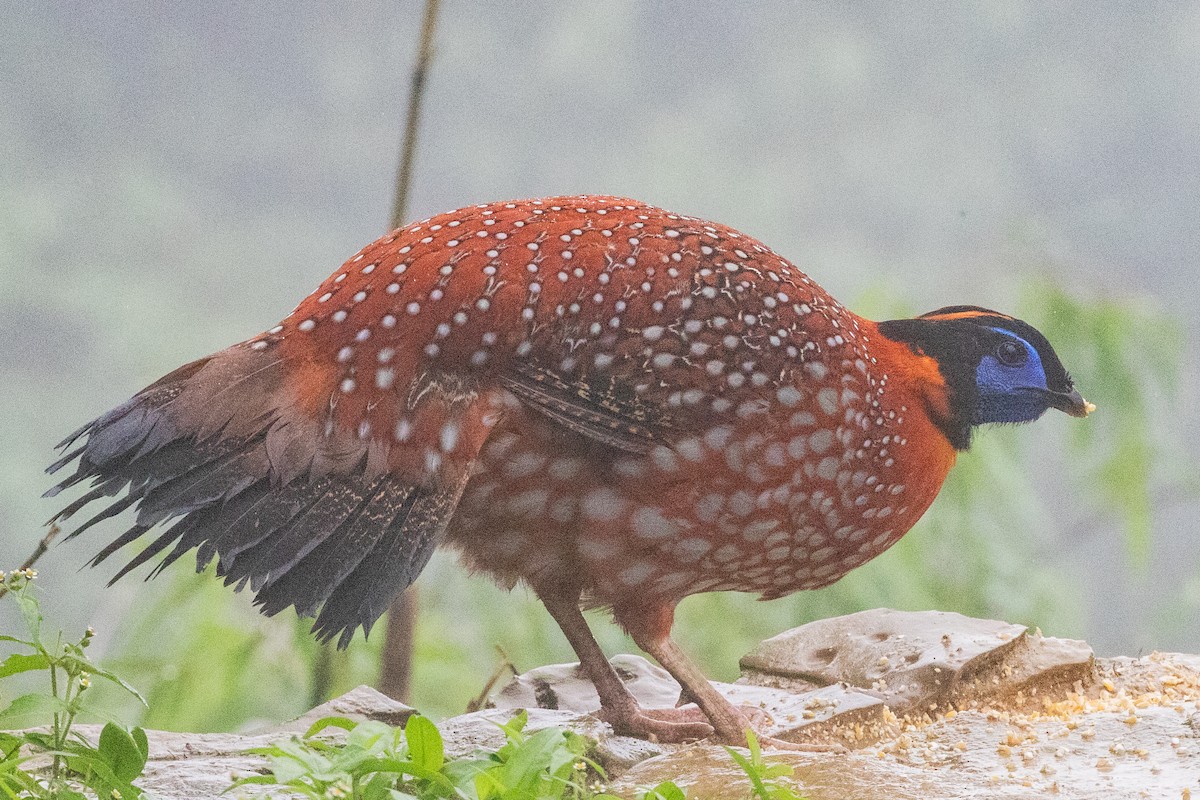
<point>593,395</point>
<point>733,425</point>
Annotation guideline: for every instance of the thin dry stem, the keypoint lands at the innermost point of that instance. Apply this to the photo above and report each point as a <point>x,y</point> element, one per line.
<point>506,666</point>
<point>396,668</point>
<point>413,119</point>
<point>38,552</point>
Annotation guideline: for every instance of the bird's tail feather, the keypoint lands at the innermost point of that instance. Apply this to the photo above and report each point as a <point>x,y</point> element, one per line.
<point>302,517</point>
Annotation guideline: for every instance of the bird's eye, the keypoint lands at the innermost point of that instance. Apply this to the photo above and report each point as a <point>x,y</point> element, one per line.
<point>1010,353</point>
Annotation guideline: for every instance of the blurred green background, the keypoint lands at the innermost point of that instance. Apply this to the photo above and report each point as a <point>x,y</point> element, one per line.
<point>175,177</point>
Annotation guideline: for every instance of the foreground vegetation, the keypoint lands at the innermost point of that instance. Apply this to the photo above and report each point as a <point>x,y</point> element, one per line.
<point>379,762</point>
<point>42,755</point>
<point>38,726</point>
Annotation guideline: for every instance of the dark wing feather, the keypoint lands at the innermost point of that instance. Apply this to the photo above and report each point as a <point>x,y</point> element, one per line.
<point>154,548</point>
<point>309,582</point>
<point>255,516</point>
<point>275,555</point>
<point>600,409</point>
<point>391,566</point>
<point>203,486</point>
<point>305,519</point>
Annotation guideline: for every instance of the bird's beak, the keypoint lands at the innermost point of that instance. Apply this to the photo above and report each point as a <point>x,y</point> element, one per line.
<point>1072,402</point>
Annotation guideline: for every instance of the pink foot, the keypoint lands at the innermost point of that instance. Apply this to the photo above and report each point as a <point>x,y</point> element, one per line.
<point>666,725</point>
<point>732,732</point>
<point>771,743</point>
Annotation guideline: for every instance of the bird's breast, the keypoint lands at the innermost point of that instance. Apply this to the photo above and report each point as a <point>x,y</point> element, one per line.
<point>830,473</point>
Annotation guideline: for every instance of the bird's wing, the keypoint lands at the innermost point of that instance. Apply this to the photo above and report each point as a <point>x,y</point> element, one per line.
<point>602,410</point>
<point>318,517</point>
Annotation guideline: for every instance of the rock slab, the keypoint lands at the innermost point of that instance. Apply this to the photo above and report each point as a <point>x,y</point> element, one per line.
<point>919,661</point>
<point>930,705</point>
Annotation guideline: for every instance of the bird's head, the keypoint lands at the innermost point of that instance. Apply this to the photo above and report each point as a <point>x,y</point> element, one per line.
<point>996,368</point>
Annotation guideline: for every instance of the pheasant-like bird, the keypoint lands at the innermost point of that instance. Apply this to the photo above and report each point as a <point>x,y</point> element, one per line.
<point>617,405</point>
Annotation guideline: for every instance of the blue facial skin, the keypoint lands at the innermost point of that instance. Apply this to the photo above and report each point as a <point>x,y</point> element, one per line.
<point>1011,393</point>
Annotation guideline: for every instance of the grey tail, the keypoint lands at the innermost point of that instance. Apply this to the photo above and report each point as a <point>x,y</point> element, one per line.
<point>339,545</point>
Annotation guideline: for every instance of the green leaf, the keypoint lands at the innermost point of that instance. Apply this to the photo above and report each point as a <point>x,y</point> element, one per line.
<point>513,729</point>
<point>536,752</point>
<point>11,764</point>
<point>43,739</point>
<point>754,748</point>
<point>370,735</point>
<point>98,775</point>
<point>30,710</point>
<point>425,746</point>
<point>345,723</point>
<point>260,780</point>
<point>487,786</point>
<point>10,744</point>
<point>19,662</point>
<point>15,640</point>
<point>31,613</point>
<point>748,767</point>
<point>290,760</point>
<point>351,761</point>
<point>108,676</point>
<point>462,772</point>
<point>383,787</point>
<point>667,790</point>
<point>141,740</point>
<point>124,751</point>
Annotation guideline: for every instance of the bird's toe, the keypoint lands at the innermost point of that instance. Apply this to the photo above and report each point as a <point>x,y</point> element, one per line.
<point>666,725</point>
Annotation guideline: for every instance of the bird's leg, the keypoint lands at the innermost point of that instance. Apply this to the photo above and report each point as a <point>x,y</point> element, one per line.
<point>729,723</point>
<point>618,707</point>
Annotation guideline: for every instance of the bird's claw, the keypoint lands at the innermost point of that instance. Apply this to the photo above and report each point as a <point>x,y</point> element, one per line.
<point>665,725</point>
<point>771,743</point>
<point>755,718</point>
<point>688,723</point>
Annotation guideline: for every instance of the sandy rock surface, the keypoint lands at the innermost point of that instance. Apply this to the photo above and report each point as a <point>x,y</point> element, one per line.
<point>929,705</point>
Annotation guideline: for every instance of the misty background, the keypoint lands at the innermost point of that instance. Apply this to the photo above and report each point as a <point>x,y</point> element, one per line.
<point>175,177</point>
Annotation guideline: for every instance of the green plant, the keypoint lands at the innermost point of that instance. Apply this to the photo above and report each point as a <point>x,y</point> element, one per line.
<point>107,768</point>
<point>667,790</point>
<point>379,762</point>
<point>764,776</point>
